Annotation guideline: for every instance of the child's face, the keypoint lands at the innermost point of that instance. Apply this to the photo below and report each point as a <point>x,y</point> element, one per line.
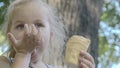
<point>30,14</point>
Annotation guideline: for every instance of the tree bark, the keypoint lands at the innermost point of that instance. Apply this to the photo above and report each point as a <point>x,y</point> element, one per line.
<point>81,17</point>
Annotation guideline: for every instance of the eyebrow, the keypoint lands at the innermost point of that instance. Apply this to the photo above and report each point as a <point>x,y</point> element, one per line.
<point>38,20</point>
<point>18,21</point>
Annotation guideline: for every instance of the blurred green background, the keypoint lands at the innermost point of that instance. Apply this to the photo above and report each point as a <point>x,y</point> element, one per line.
<point>109,33</point>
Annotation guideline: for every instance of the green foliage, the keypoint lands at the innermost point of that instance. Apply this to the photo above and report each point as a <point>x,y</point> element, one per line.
<point>109,34</point>
<point>3,7</point>
<point>111,13</point>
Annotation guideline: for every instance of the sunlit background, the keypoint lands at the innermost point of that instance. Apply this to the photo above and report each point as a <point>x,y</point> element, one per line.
<point>109,34</point>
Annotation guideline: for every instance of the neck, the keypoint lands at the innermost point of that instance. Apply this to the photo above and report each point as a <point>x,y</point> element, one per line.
<point>38,64</point>
<point>36,59</point>
<point>36,56</point>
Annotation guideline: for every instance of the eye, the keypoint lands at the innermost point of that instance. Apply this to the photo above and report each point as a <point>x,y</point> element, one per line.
<point>39,25</point>
<point>20,26</point>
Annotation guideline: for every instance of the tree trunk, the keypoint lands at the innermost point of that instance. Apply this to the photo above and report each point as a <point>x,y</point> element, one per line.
<point>81,17</point>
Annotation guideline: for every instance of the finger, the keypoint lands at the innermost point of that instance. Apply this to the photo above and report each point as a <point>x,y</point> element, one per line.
<point>26,34</point>
<point>12,39</point>
<point>79,63</point>
<point>80,66</point>
<point>34,30</point>
<point>84,65</point>
<point>40,39</point>
<point>39,32</point>
<point>30,28</point>
<point>26,30</point>
<point>87,62</point>
<point>87,56</point>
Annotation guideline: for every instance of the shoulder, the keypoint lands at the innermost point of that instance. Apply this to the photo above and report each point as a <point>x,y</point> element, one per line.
<point>4,62</point>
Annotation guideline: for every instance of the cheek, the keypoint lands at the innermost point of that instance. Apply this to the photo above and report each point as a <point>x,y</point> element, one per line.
<point>18,34</point>
<point>45,34</point>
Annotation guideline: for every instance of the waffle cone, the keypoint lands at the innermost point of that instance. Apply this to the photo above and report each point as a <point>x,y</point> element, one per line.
<point>73,47</point>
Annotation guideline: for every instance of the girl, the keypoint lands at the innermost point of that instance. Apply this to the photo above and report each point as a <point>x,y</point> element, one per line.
<point>36,37</point>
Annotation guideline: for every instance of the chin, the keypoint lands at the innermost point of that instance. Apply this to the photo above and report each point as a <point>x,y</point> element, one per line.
<point>35,56</point>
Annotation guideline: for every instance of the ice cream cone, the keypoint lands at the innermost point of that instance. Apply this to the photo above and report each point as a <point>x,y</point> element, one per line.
<point>73,47</point>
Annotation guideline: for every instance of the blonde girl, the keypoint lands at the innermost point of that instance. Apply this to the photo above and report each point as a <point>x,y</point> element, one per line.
<point>36,37</point>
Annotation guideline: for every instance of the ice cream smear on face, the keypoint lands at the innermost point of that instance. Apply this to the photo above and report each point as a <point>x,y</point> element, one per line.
<point>73,47</point>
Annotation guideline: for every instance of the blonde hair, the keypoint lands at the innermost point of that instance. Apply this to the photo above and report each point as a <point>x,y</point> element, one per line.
<point>56,47</point>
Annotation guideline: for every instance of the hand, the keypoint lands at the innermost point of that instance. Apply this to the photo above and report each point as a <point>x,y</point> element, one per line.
<point>30,41</point>
<point>86,60</point>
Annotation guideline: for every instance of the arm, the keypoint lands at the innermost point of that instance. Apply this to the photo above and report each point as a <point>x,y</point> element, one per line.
<point>4,62</point>
<point>21,60</point>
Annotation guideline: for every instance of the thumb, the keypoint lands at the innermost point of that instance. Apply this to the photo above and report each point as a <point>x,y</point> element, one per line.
<point>12,38</point>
